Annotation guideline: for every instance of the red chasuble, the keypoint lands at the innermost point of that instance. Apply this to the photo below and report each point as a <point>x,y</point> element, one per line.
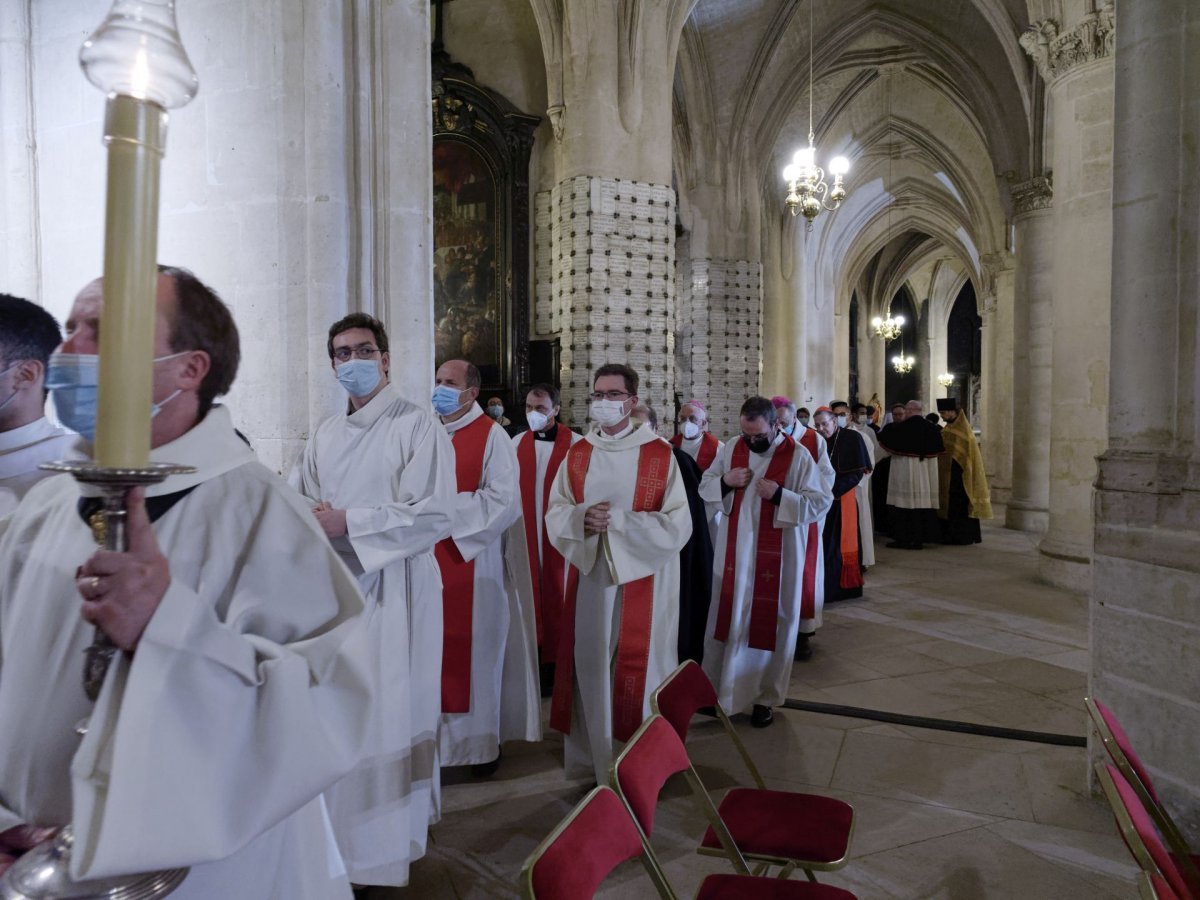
<point>708,449</point>
<point>637,602</point>
<point>546,575</point>
<point>458,575</point>
<point>768,556</point>
<point>812,546</point>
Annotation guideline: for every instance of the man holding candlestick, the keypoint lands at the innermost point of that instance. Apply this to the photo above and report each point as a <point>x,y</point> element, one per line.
<point>380,476</point>
<point>242,691</point>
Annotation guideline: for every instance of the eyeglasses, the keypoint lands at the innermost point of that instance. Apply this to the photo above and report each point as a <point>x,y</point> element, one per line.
<point>611,395</point>
<point>362,351</point>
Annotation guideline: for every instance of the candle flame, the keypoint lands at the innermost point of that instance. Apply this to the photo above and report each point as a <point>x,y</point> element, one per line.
<point>139,81</point>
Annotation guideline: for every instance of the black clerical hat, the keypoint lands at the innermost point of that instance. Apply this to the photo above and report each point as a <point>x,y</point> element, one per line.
<point>947,404</point>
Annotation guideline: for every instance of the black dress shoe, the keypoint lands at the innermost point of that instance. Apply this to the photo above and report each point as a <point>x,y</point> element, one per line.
<point>761,716</point>
<point>803,648</point>
<point>487,769</point>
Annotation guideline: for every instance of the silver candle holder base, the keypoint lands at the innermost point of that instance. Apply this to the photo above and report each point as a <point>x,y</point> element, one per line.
<point>44,873</point>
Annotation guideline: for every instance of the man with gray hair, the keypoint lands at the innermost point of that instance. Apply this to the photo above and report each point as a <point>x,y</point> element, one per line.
<point>912,492</point>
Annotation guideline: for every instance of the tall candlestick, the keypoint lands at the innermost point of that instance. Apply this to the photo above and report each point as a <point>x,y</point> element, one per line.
<point>135,132</point>
<point>137,59</point>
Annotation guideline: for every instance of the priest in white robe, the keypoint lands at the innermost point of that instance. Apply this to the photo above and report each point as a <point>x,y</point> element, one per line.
<point>242,691</point>
<point>28,335</point>
<point>619,514</point>
<point>475,593</point>
<point>770,490</point>
<point>380,477</point>
<point>538,571</point>
<point>866,521</point>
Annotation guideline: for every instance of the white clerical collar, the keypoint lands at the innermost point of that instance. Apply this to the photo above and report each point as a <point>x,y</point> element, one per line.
<point>33,433</point>
<point>373,408</point>
<point>472,414</point>
<point>624,433</point>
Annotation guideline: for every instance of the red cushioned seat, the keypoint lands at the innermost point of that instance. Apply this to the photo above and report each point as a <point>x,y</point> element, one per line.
<point>785,825</point>
<point>734,887</point>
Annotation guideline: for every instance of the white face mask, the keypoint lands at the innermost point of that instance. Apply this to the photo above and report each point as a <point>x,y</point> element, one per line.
<point>690,431</point>
<point>841,420</point>
<point>537,420</point>
<point>607,413</point>
<point>862,420</point>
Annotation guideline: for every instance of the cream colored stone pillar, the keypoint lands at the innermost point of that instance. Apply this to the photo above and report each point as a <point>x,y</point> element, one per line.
<point>1029,505</point>
<point>401,155</point>
<point>19,245</point>
<point>1145,615</point>
<point>609,75</point>
<point>997,400</point>
<point>1077,65</point>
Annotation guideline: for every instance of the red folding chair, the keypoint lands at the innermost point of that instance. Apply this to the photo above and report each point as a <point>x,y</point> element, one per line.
<point>1155,887</point>
<point>1129,764</point>
<point>783,828</point>
<point>1138,832</point>
<point>599,834</point>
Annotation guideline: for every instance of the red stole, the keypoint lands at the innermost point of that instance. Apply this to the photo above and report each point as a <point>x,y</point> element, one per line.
<point>637,602</point>
<point>708,449</point>
<point>851,568</point>
<point>458,575</point>
<point>768,556</point>
<point>547,576</point>
<point>812,546</point>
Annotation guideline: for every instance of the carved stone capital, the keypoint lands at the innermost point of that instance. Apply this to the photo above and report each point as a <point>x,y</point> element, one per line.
<point>1055,52</point>
<point>1036,193</point>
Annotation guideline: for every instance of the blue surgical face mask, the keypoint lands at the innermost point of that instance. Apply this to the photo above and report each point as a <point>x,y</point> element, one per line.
<point>446,400</point>
<point>74,378</point>
<point>9,399</point>
<point>359,376</point>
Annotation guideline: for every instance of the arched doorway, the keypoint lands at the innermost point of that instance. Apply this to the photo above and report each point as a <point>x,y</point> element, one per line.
<point>902,388</point>
<point>964,351</point>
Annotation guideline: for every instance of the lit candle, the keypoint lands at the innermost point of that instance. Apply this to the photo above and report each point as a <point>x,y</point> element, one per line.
<point>137,59</point>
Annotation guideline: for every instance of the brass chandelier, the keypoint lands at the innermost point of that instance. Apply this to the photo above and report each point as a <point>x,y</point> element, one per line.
<point>889,328</point>
<point>807,191</point>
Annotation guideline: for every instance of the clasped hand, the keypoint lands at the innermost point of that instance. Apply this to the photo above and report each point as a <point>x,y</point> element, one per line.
<point>740,478</point>
<point>332,521</point>
<point>595,520</point>
<point>121,591</point>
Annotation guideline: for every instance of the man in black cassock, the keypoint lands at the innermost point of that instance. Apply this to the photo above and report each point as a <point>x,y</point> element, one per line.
<point>841,539</point>
<point>696,557</point>
<point>912,493</point>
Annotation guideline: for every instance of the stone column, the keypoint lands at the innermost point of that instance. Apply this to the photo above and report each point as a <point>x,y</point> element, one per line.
<point>723,321</point>
<point>1029,505</point>
<point>1077,65</point>
<point>20,248</point>
<point>997,399</point>
<point>401,147</point>
<point>1145,608</point>
<point>609,76</point>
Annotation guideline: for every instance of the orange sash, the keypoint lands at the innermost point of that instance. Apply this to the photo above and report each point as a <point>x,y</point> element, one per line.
<point>458,575</point>
<point>851,568</point>
<point>547,566</point>
<point>768,555</point>
<point>708,449</point>
<point>812,546</point>
<point>637,602</point>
